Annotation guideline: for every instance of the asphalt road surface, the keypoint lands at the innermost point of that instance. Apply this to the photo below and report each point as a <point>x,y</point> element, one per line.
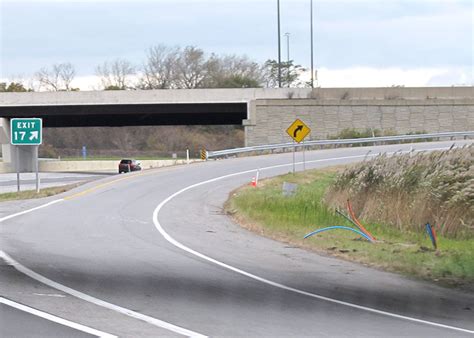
<point>154,250</point>
<point>13,321</point>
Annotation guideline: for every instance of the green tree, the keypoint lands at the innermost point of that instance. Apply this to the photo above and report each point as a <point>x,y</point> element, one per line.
<point>114,88</point>
<point>290,74</point>
<point>13,87</point>
<point>238,81</point>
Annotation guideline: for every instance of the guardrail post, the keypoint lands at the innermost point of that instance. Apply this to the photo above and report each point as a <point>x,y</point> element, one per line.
<point>294,156</point>
<point>304,157</point>
<point>204,154</point>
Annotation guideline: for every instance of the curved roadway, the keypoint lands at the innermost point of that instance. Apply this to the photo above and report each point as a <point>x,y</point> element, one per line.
<point>155,250</point>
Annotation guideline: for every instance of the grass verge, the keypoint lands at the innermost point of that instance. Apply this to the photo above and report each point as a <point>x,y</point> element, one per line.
<point>30,194</point>
<point>266,211</point>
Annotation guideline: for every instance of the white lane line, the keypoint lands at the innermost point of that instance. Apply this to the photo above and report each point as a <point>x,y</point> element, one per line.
<point>269,282</point>
<point>30,210</point>
<point>49,295</point>
<point>56,319</point>
<point>96,301</point>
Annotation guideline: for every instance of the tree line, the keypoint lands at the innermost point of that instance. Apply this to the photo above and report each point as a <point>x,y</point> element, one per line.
<point>168,67</point>
<point>163,67</point>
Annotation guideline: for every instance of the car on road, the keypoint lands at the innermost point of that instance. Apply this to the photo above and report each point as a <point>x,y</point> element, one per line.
<point>127,165</point>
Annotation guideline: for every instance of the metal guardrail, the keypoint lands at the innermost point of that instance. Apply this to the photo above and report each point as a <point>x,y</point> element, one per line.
<point>452,135</point>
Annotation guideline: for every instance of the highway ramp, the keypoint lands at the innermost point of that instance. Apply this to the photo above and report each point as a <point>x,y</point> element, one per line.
<point>158,244</point>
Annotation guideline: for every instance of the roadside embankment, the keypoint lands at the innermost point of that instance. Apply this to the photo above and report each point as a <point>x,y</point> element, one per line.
<point>399,247</point>
<point>31,194</point>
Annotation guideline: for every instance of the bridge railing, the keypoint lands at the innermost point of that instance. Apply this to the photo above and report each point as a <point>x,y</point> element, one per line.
<point>367,140</point>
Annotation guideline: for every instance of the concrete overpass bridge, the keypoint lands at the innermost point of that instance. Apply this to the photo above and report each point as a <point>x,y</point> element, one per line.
<point>129,108</point>
<point>135,108</point>
<point>265,113</point>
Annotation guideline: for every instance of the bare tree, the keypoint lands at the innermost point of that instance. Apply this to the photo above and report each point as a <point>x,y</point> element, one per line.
<point>192,68</point>
<point>159,71</point>
<point>66,74</point>
<point>57,78</point>
<point>116,74</point>
<point>234,71</point>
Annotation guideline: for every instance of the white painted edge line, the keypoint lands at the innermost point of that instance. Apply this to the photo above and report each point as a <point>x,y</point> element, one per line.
<point>96,301</point>
<point>55,319</point>
<point>275,284</point>
<point>30,210</point>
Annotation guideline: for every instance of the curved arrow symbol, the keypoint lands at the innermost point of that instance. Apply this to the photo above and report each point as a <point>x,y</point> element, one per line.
<point>299,128</point>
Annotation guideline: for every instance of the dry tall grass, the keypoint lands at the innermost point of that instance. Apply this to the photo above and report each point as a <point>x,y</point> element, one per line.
<point>407,191</point>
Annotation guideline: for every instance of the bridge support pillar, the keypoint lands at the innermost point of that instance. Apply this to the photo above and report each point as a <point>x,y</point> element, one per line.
<point>26,154</point>
<point>6,147</point>
<point>251,120</point>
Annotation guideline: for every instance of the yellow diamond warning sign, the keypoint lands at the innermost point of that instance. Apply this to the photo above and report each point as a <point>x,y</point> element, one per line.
<point>298,130</point>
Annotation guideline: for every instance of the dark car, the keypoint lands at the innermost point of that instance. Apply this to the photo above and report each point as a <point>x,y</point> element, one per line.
<point>126,166</point>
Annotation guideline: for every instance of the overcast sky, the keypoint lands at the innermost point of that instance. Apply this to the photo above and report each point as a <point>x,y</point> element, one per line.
<point>357,43</point>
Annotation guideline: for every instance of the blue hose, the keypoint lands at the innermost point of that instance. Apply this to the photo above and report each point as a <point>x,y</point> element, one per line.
<point>339,227</point>
<point>429,230</point>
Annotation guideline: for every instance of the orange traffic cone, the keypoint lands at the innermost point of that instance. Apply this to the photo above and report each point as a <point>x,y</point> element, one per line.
<point>254,182</point>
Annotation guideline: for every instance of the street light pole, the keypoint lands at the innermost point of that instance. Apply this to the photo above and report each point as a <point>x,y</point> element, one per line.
<point>312,58</point>
<point>287,46</point>
<point>279,45</point>
<point>288,58</point>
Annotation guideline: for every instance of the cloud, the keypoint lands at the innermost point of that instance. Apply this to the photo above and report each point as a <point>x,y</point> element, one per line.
<point>455,76</point>
<point>401,34</point>
<point>387,77</point>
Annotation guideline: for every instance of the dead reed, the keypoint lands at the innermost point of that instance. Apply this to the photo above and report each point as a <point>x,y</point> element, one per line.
<point>407,191</point>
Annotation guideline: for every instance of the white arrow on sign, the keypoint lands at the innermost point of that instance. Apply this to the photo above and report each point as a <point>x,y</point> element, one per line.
<point>34,135</point>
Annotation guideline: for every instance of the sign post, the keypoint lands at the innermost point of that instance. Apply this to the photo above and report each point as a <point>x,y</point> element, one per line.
<point>84,152</point>
<point>298,130</point>
<point>17,168</point>
<point>37,170</point>
<point>26,132</point>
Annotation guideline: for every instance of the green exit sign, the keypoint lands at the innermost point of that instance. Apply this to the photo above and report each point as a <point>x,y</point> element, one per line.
<point>27,132</point>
